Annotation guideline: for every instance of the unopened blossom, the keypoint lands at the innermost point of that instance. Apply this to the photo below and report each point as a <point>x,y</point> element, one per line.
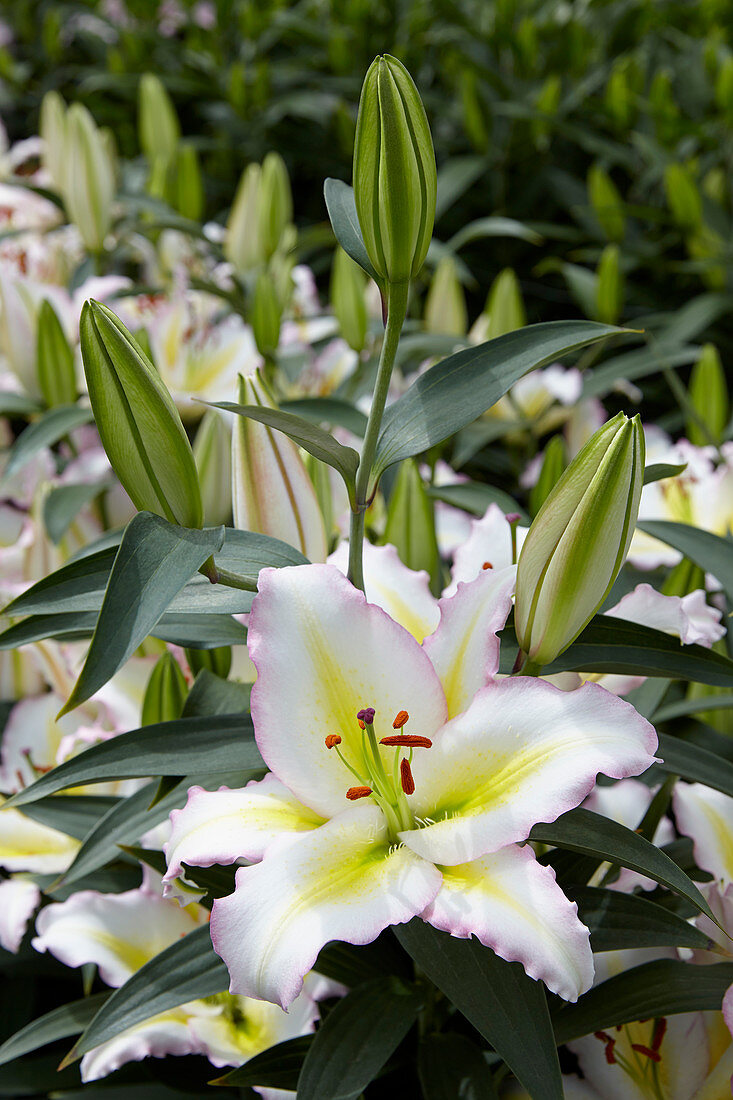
<point>349,834</point>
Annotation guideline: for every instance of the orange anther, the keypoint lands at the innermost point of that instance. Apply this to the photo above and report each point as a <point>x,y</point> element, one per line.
<point>333,739</point>
<point>412,739</point>
<point>358,792</point>
<point>487,565</point>
<point>655,1057</point>
<point>408,783</point>
<point>401,719</point>
<point>609,1045</point>
<point>361,724</point>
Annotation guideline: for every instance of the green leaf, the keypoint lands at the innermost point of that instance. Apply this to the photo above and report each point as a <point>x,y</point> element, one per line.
<point>60,1023</point>
<point>201,631</point>
<point>211,694</point>
<point>592,834</point>
<point>508,1008</point>
<point>658,471</point>
<point>493,227</point>
<point>474,437</point>
<point>475,497</point>
<point>277,1067</point>
<point>332,410</point>
<point>222,743</point>
<point>712,553</point>
<point>341,206</point>
<point>613,645</point>
<point>77,586</point>
<point>454,179</point>
<point>62,505</point>
<point>153,563</point>
<point>664,987</point>
<point>310,437</point>
<point>351,965</point>
<point>451,1067</point>
<point>36,1077</point>
<point>185,971</point>
<point>74,815</point>
<point>620,921</point>
<point>462,387</point>
<point>18,404</point>
<point>356,1039</point>
<point>46,431</point>
<point>696,764</point>
<point>71,626</point>
<point>684,707</point>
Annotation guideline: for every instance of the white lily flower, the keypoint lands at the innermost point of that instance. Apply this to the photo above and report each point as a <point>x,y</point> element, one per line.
<point>19,899</point>
<point>688,618</point>
<point>488,546</point>
<point>437,836</point>
<point>626,802</point>
<point>707,816</point>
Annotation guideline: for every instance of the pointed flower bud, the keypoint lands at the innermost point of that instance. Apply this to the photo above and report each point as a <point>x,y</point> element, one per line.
<point>445,305</point>
<point>55,359</point>
<point>275,203</point>
<point>89,178</point>
<point>158,125</point>
<point>579,539</point>
<point>53,135</point>
<point>165,693</point>
<point>271,490</point>
<point>138,423</point>
<point>212,450</point>
<point>708,397</point>
<point>395,179</point>
<point>411,521</point>
<point>242,244</point>
<point>265,314</point>
<point>348,287</point>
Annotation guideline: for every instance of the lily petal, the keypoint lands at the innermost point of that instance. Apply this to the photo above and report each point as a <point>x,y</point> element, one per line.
<point>245,1027</point>
<point>490,541</point>
<point>523,752</point>
<point>706,816</point>
<point>323,653</point>
<point>402,592</point>
<point>689,617</point>
<point>165,1034</point>
<point>118,932</point>
<point>18,899</point>
<point>27,845</point>
<point>226,825</point>
<point>513,905</point>
<point>340,882</point>
<point>464,650</point>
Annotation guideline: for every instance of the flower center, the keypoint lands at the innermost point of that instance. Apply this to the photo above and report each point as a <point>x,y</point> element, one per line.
<point>639,1061</point>
<point>388,783</point>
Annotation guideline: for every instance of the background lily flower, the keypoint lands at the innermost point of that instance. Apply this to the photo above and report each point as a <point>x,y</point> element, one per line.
<point>426,824</point>
<point>19,898</point>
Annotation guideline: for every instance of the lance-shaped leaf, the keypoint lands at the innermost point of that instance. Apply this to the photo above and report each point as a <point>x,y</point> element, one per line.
<point>62,505</point>
<point>592,834</point>
<point>462,387</point>
<point>200,630</point>
<point>310,437</point>
<point>658,471</point>
<point>341,206</point>
<point>711,552</point>
<point>334,410</point>
<point>74,815</point>
<point>684,707</point>
<point>60,1023</point>
<point>154,561</point>
<point>222,743</point>
<point>138,423</point>
<point>356,1039</point>
<point>277,1067</point>
<point>664,987</point>
<point>51,427</point>
<point>451,1066</point>
<point>618,921</point>
<point>696,764</point>
<point>185,971</point>
<point>508,1008</point>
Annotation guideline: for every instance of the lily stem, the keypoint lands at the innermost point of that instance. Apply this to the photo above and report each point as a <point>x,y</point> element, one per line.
<point>396,312</point>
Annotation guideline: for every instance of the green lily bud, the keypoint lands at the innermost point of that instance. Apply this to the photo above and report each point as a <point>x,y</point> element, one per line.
<point>709,398</point>
<point>724,88</point>
<point>89,184</point>
<point>217,660</point>
<point>504,310</point>
<point>579,540</point>
<point>348,286</point>
<point>53,134</point>
<point>189,197</point>
<point>56,375</point>
<point>411,522</point>
<point>683,196</point>
<point>271,490</point>
<point>606,203</point>
<point>137,420</point>
<point>553,464</point>
<point>212,450</point>
<point>265,315</point>
<point>242,245</point>
<point>395,178</point>
<point>547,103</point>
<point>445,305</point>
<point>158,125</point>
<point>165,693</point>
<point>275,203</point>
<point>609,286</point>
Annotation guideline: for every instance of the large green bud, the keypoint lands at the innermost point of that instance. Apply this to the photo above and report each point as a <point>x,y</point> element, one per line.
<point>137,420</point>
<point>89,179</point>
<point>158,124</point>
<point>579,540</point>
<point>395,179</point>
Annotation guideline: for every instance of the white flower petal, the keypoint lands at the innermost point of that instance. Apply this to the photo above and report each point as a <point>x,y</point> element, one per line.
<point>18,899</point>
<point>689,618</point>
<point>523,752</point>
<point>340,882</point>
<point>707,816</point>
<point>244,1027</point>
<point>513,904</point>
<point>118,932</point>
<point>490,541</point>
<point>464,650</point>
<point>226,825</point>
<point>322,654</point>
<point>26,845</point>
<point>403,593</point>
<point>167,1033</point>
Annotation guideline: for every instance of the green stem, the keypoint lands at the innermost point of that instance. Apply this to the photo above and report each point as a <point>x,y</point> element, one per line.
<point>225,576</point>
<point>396,313</point>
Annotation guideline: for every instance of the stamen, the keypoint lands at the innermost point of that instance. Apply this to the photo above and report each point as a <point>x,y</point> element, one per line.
<point>610,1044</point>
<point>487,565</point>
<point>655,1057</point>
<point>358,792</point>
<point>408,783</point>
<point>513,517</point>
<point>401,719</point>
<point>361,724</point>
<point>660,1028</point>
<point>332,740</point>
<point>367,716</point>
<point>407,739</point>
